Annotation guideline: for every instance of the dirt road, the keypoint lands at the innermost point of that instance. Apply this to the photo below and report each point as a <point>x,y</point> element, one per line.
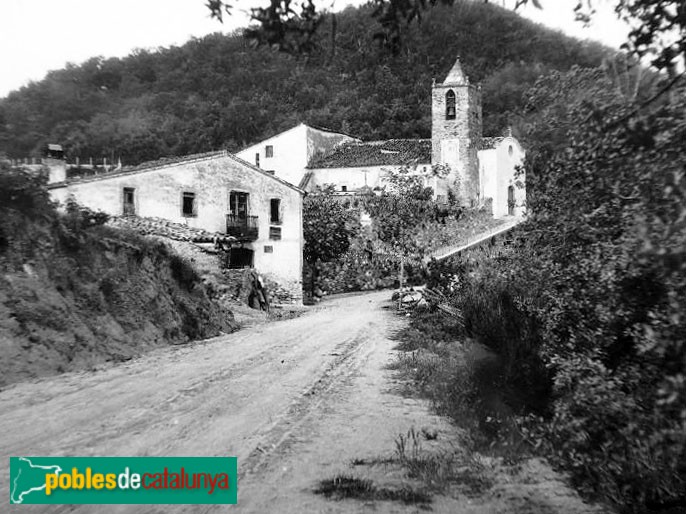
<point>297,401</point>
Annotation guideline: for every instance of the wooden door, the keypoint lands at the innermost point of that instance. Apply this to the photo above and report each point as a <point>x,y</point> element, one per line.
<point>510,200</point>
<point>129,201</point>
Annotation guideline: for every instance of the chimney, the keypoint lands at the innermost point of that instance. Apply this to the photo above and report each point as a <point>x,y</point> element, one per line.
<point>57,166</point>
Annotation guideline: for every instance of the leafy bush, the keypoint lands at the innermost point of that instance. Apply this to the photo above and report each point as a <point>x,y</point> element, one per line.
<point>78,216</point>
<point>24,191</point>
<point>611,252</point>
<point>494,300</point>
<point>407,224</point>
<point>183,272</point>
<point>597,293</point>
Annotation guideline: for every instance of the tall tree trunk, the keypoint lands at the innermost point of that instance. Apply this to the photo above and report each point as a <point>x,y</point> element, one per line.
<point>313,279</point>
<point>400,282</point>
<point>334,26</point>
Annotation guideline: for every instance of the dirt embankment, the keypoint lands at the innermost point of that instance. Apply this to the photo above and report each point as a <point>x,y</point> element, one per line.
<point>74,293</point>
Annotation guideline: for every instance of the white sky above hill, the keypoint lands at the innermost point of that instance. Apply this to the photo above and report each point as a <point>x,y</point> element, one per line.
<point>40,35</point>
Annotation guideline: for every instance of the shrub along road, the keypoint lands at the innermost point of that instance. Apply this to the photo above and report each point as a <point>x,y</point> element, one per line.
<point>298,401</point>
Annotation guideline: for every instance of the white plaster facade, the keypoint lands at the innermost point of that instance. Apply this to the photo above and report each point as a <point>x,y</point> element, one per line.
<point>158,191</point>
<point>288,153</point>
<point>355,179</point>
<point>498,177</point>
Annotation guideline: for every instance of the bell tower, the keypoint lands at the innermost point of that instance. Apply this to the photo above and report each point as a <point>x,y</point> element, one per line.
<point>456,131</point>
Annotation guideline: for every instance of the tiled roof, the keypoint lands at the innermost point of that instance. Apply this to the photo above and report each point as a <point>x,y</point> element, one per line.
<point>168,229</point>
<point>171,161</point>
<point>394,152</point>
<point>165,161</point>
<point>488,143</point>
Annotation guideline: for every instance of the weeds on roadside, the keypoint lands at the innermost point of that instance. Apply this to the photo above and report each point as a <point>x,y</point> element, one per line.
<point>463,469</point>
<point>342,487</point>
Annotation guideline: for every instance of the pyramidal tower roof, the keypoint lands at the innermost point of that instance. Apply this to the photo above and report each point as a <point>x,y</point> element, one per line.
<point>456,76</point>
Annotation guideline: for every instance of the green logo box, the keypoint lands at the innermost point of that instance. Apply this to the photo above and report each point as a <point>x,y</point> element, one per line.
<point>123,480</point>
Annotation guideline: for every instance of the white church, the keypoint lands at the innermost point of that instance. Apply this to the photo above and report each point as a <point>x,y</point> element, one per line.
<point>480,169</point>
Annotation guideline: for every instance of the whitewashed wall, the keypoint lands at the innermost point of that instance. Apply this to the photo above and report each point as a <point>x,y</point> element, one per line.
<point>497,173</point>
<point>158,193</point>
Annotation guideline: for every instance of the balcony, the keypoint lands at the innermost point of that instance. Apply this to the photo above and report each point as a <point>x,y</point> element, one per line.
<point>244,228</point>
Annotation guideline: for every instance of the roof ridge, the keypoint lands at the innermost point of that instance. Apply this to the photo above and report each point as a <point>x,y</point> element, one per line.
<point>164,161</point>
<point>330,131</point>
<point>387,152</point>
<point>263,172</point>
<point>154,165</point>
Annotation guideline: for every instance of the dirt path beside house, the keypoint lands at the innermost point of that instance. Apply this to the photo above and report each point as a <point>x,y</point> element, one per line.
<point>297,401</point>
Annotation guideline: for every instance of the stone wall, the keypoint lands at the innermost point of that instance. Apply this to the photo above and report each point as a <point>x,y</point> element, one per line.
<point>237,284</point>
<point>465,130</point>
<point>205,261</point>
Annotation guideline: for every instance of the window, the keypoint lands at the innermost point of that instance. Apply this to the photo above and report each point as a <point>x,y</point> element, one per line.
<point>188,205</point>
<point>275,233</point>
<point>238,204</point>
<point>129,201</point>
<point>268,249</point>
<point>269,151</point>
<point>450,105</point>
<point>275,211</point>
<point>344,188</point>
<point>510,151</point>
<point>239,223</point>
<point>257,160</point>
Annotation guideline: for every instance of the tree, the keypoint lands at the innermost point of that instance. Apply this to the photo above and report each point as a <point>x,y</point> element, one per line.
<point>280,25</point>
<point>400,212</point>
<point>607,225</point>
<point>328,228</point>
<point>658,29</point>
<point>658,26</point>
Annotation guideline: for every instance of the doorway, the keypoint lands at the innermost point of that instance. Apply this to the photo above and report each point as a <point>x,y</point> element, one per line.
<point>240,258</point>
<point>510,200</point>
<point>129,201</point>
<point>238,204</point>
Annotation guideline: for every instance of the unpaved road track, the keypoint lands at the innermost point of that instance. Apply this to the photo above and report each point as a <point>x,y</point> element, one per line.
<point>295,401</point>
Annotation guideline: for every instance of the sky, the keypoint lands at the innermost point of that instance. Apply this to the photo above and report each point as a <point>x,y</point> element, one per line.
<point>40,35</point>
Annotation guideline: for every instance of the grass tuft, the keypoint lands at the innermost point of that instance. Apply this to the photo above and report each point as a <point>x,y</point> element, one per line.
<point>439,471</point>
<point>343,487</point>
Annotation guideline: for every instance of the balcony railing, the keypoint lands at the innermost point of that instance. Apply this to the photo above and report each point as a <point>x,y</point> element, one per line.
<point>242,227</point>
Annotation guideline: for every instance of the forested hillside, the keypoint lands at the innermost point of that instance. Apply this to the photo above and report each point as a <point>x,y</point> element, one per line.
<point>220,92</point>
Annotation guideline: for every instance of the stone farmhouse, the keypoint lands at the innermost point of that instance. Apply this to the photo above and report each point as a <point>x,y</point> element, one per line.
<point>257,215</point>
<point>480,168</point>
